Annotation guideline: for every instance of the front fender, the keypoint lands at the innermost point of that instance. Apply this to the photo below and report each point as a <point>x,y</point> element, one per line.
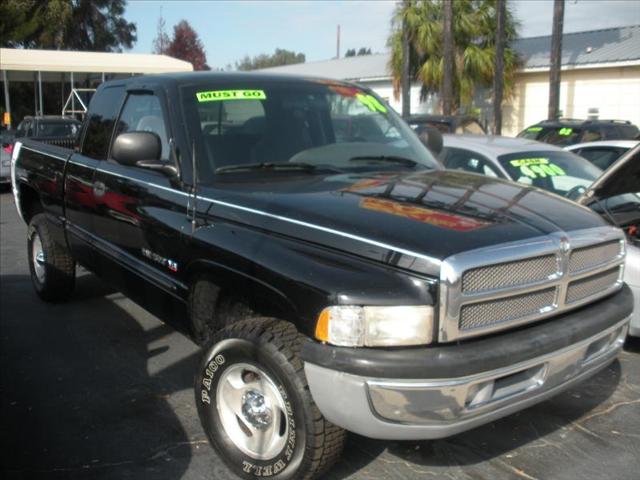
<point>298,276</point>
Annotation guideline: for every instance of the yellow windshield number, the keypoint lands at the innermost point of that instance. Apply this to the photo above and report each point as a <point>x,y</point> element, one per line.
<point>371,103</point>
<point>537,168</point>
<point>220,95</point>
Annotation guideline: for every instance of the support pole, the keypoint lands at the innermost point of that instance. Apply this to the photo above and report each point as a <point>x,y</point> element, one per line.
<point>102,77</point>
<point>7,99</point>
<point>73,100</point>
<point>40,93</point>
<point>35,95</point>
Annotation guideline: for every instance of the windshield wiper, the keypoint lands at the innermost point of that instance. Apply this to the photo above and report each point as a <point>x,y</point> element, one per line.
<point>385,158</point>
<point>282,166</point>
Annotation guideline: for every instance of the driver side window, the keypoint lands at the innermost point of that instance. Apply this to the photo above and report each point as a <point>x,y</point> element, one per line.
<point>143,113</point>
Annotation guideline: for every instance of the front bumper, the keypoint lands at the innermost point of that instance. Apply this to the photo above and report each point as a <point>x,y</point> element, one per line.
<point>402,408</point>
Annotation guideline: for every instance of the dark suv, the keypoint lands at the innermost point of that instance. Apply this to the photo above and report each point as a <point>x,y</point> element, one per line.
<point>569,131</point>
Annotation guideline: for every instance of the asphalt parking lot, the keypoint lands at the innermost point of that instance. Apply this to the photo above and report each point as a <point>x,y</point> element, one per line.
<point>98,388</point>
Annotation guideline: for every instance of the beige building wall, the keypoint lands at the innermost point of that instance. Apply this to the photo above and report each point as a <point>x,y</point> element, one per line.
<point>614,91</point>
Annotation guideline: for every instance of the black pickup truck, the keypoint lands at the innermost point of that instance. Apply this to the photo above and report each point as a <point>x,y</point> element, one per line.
<point>337,278</point>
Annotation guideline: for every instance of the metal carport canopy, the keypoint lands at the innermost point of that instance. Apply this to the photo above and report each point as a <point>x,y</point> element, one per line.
<point>13,60</point>
<point>30,65</point>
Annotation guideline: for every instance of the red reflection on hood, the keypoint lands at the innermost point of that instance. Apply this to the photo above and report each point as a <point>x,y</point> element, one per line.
<point>449,221</point>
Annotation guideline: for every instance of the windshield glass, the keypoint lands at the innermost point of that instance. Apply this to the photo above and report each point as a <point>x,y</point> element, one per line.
<point>57,129</point>
<point>557,135</point>
<point>320,125</point>
<point>559,172</point>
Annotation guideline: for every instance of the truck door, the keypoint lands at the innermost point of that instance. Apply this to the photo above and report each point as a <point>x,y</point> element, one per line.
<point>142,213</point>
<point>80,189</point>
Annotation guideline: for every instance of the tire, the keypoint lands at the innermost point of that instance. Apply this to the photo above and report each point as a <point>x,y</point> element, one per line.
<point>203,299</point>
<point>52,268</point>
<point>297,442</point>
<point>211,309</point>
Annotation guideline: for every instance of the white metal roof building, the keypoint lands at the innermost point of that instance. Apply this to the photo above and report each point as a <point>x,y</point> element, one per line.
<point>76,69</point>
<point>601,76</point>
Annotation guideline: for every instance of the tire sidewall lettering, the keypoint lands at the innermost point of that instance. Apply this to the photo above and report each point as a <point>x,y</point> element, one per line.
<point>216,362</point>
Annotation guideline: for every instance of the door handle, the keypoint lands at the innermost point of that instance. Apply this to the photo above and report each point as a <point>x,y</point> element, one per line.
<point>99,189</point>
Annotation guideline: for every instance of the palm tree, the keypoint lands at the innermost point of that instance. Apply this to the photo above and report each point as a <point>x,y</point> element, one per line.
<point>498,66</point>
<point>406,68</point>
<point>448,58</point>
<point>556,59</point>
<point>473,47</point>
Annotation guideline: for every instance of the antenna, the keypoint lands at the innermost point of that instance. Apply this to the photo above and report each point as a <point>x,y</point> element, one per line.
<point>194,189</point>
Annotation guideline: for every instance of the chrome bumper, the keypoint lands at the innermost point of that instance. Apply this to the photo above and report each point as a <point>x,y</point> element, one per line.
<point>424,409</point>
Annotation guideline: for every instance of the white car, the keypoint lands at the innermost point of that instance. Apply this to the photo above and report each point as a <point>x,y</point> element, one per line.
<point>603,153</point>
<point>615,194</point>
<point>5,166</point>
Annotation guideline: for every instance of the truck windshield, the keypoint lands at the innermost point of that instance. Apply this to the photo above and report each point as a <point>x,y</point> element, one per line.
<point>556,171</point>
<point>321,125</point>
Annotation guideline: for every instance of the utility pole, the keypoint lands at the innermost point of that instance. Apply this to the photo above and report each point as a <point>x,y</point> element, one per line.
<point>405,80</point>
<point>338,44</point>
<point>556,59</point>
<point>447,77</point>
<point>498,68</point>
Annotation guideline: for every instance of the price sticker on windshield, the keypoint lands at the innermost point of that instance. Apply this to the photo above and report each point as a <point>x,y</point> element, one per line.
<point>371,103</point>
<point>220,95</point>
<point>537,167</point>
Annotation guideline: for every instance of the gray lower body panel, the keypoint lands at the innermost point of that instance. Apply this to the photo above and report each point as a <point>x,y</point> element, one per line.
<point>400,409</point>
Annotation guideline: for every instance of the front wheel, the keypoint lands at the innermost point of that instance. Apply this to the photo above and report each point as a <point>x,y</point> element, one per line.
<point>255,406</point>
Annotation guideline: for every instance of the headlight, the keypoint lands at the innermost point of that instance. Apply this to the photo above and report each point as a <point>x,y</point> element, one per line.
<point>352,326</point>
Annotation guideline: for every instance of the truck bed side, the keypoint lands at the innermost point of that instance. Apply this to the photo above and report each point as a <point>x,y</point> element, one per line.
<point>39,182</point>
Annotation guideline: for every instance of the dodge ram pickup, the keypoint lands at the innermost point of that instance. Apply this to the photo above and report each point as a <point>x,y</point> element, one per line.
<point>337,277</point>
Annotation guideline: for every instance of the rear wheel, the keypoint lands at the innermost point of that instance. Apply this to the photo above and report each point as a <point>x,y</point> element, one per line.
<point>52,267</point>
<point>255,406</point>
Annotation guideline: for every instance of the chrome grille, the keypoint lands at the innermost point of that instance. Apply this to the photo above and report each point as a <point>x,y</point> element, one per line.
<point>589,257</point>
<point>511,274</point>
<point>581,289</point>
<point>494,288</point>
<point>478,315</point>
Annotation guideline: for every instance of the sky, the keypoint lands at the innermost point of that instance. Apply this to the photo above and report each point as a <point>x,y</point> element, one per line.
<point>229,30</point>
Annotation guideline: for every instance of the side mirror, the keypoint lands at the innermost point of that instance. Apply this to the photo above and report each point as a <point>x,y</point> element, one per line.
<point>431,138</point>
<point>130,148</point>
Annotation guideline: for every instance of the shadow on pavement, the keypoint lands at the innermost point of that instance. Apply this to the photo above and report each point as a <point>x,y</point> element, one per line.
<point>77,397</point>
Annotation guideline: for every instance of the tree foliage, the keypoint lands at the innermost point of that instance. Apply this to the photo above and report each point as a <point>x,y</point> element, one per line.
<point>161,42</point>
<point>93,25</point>
<point>264,60</point>
<point>353,53</point>
<point>474,46</point>
<point>186,45</point>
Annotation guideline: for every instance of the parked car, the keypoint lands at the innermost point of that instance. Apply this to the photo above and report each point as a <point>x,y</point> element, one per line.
<point>335,284</point>
<point>616,196</point>
<point>448,123</point>
<point>533,163</point>
<point>6,146</point>
<point>561,172</point>
<point>55,130</point>
<point>567,131</point>
<point>603,153</point>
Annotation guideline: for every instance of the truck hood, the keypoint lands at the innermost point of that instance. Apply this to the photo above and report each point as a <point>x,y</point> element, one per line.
<point>622,177</point>
<point>412,221</point>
